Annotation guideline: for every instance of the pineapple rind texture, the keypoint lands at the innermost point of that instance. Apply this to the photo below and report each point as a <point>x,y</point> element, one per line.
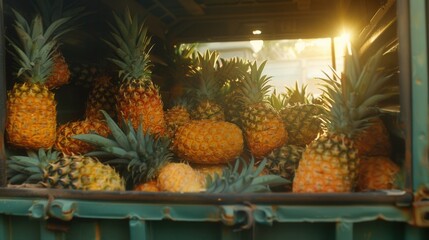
<point>284,161</point>
<point>60,72</point>
<point>209,142</point>
<point>328,164</point>
<point>67,145</point>
<point>82,173</point>
<point>140,102</point>
<point>374,140</point>
<point>102,96</point>
<point>175,117</point>
<point>31,120</point>
<point>377,173</point>
<point>302,123</point>
<point>179,177</point>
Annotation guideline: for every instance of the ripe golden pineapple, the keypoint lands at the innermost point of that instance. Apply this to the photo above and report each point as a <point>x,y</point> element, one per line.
<point>284,161</point>
<point>60,74</point>
<point>138,99</point>
<point>102,96</point>
<point>264,130</point>
<point>207,89</point>
<point>208,141</point>
<point>67,145</point>
<point>52,170</point>
<point>31,107</point>
<point>177,116</point>
<point>374,140</point>
<point>179,177</point>
<point>377,173</point>
<point>330,163</point>
<point>151,186</point>
<point>302,119</point>
<point>138,155</point>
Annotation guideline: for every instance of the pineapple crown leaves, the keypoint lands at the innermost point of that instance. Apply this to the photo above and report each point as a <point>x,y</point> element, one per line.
<point>350,105</point>
<point>205,84</point>
<point>277,101</point>
<point>131,45</point>
<point>230,70</point>
<point>37,45</point>
<point>141,152</point>
<point>182,59</point>
<point>53,10</point>
<point>29,169</point>
<point>297,95</point>
<point>243,178</point>
<point>255,85</point>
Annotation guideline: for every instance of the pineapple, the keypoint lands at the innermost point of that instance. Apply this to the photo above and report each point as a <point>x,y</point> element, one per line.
<point>85,74</point>
<point>284,161</point>
<point>208,169</point>
<point>150,186</point>
<point>264,130</point>
<point>138,99</point>
<point>67,145</point>
<point>60,73</point>
<point>374,140</point>
<point>208,89</point>
<point>179,177</point>
<point>51,170</point>
<point>31,107</point>
<point>139,155</point>
<point>377,173</point>
<point>101,97</point>
<point>208,142</point>
<point>330,163</point>
<point>301,117</point>
<point>177,116</point>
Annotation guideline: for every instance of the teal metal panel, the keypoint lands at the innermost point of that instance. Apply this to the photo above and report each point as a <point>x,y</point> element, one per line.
<point>354,213</point>
<point>138,229</point>
<point>415,233</point>
<point>17,224</point>
<point>344,231</point>
<point>114,229</point>
<point>419,69</point>
<point>379,230</point>
<point>291,230</point>
<point>4,227</point>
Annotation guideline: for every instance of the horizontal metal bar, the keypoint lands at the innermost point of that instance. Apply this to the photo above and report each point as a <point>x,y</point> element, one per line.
<point>401,198</point>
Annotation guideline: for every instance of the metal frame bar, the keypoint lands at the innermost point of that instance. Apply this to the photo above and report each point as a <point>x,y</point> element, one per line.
<point>419,96</point>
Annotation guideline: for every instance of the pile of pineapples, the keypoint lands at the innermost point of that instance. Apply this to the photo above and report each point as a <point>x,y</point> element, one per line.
<point>220,130</point>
